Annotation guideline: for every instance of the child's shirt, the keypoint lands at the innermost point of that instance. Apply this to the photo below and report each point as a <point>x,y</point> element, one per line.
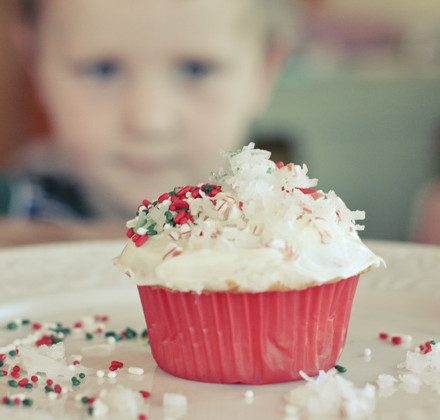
<point>41,196</point>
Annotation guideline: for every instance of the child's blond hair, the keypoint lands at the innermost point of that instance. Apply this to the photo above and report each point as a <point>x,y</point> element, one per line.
<point>279,17</point>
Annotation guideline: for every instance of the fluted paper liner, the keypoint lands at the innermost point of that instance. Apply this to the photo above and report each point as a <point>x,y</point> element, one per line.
<point>252,338</point>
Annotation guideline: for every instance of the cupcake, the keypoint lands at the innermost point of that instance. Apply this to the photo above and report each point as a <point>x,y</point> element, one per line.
<point>248,278</point>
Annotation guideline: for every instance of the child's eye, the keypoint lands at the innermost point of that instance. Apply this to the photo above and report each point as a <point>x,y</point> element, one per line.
<point>104,69</point>
<point>194,69</point>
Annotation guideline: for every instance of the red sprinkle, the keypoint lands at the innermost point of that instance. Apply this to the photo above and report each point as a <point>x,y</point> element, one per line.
<point>396,340</point>
<point>117,364</point>
<point>15,374</point>
<point>280,165</point>
<point>75,362</point>
<point>43,341</point>
<point>179,205</point>
<point>163,197</point>
<point>140,240</point>
<point>5,400</point>
<point>2,356</point>
<point>383,336</point>
<point>16,368</point>
<point>34,378</point>
<point>49,382</point>
<point>143,417</point>
<point>78,324</point>
<point>195,193</point>
<point>145,394</point>
<point>91,400</point>
<point>23,382</point>
<point>183,191</point>
<point>17,401</point>
<point>146,203</point>
<point>5,372</point>
<point>307,190</point>
<point>57,388</point>
<point>36,326</point>
<point>130,233</point>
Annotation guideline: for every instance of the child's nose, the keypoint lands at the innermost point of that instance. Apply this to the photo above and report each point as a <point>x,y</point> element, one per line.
<point>148,112</point>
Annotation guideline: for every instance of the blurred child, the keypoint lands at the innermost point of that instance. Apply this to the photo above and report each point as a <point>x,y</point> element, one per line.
<point>142,95</point>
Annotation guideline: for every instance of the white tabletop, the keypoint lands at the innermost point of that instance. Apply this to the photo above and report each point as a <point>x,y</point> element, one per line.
<point>65,282</point>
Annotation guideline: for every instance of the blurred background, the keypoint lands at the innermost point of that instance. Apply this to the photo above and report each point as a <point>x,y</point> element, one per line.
<point>359,103</point>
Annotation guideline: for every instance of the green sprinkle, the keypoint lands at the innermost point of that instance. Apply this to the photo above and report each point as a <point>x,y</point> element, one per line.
<point>432,342</point>
<point>27,402</point>
<point>89,336</point>
<point>90,410</point>
<point>75,381</point>
<point>28,386</point>
<point>85,400</point>
<point>110,334</point>
<point>10,402</point>
<point>341,369</point>
<point>130,333</point>
<point>48,388</point>
<point>152,232</point>
<point>82,375</point>
<point>56,340</point>
<point>1,373</point>
<point>154,203</point>
<point>269,171</point>
<point>172,193</point>
<point>118,337</point>
<point>144,333</point>
<point>25,322</point>
<point>1,363</point>
<point>169,216</point>
<point>12,353</point>
<point>12,326</point>
<point>207,189</point>
<point>12,383</point>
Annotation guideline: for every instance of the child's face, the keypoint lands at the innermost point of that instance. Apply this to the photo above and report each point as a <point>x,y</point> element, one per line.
<point>143,94</point>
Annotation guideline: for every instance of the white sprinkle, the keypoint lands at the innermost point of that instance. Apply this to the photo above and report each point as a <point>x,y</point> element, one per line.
<point>135,370</point>
<point>100,373</point>
<point>78,397</point>
<point>72,368</point>
<point>175,400</point>
<point>249,396</point>
<point>112,374</point>
<point>52,395</point>
<point>141,231</point>
<point>367,352</point>
<point>406,339</point>
<point>111,340</point>
<point>77,357</point>
<point>16,342</point>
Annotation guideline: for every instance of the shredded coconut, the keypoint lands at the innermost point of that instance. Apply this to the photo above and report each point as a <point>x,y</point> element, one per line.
<point>330,396</point>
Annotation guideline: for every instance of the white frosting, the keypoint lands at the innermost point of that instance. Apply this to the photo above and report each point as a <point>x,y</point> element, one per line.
<point>263,231</point>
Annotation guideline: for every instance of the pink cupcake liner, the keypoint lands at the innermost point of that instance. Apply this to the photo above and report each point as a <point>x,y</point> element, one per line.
<point>252,338</point>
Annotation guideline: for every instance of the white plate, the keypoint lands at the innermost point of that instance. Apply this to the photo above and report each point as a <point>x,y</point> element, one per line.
<point>64,282</point>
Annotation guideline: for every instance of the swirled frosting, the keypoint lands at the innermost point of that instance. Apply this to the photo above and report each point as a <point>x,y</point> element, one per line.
<point>256,226</point>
